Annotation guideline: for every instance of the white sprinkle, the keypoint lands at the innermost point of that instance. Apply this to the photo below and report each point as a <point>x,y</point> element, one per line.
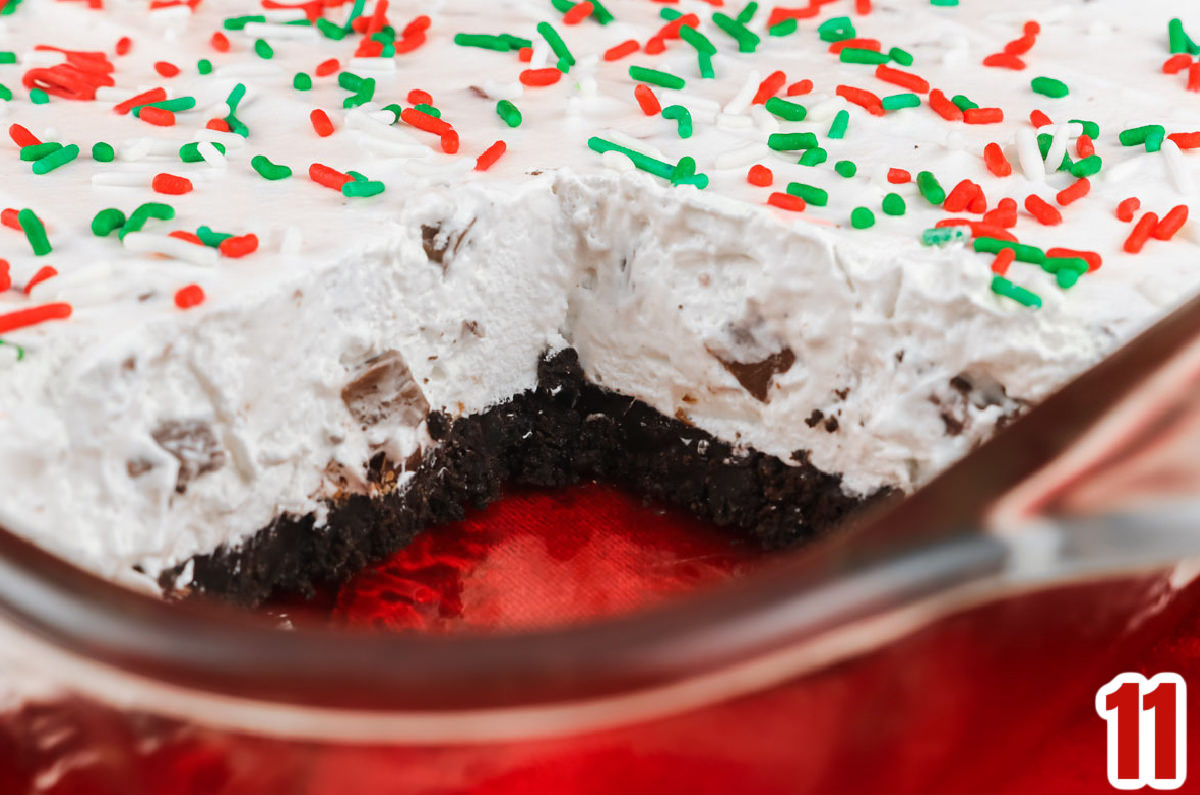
<point>373,64</point>
<point>122,179</point>
<point>696,104</point>
<point>616,161</point>
<point>32,58</point>
<point>510,91</point>
<point>741,157</point>
<point>142,148</point>
<point>292,241</point>
<point>282,15</point>
<point>1177,168</point>
<point>727,122</point>
<point>766,122</point>
<point>588,88</point>
<point>1074,129</point>
<point>1029,156</point>
<point>824,110</point>
<point>211,154</point>
<point>268,30</point>
<point>147,243</point>
<point>114,94</point>
<point>1058,147</point>
<point>618,137</point>
<point>741,100</point>
<point>231,141</point>
<point>541,54</point>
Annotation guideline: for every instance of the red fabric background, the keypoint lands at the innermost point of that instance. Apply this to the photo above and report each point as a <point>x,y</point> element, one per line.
<point>542,559</point>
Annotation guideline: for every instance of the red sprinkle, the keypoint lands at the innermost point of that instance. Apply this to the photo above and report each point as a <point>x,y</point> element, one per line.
<point>577,14</point>
<point>1093,259</point>
<point>22,136</point>
<point>326,68</point>
<point>862,6</point>
<point>1172,222</point>
<point>218,124</point>
<point>898,176</point>
<point>189,296</point>
<point>857,44</point>
<point>1193,83</point>
<point>23,318</point>
<point>786,201</point>
<point>419,97</point>
<point>1141,233</point>
<point>908,80</point>
<point>1004,258</point>
<point>1188,140</point>
<point>525,54</point>
<point>491,154</point>
<point>1045,212</point>
<point>760,176</point>
<point>983,115</point>
<point>1004,216</point>
<point>646,99</point>
<point>329,177</point>
<point>183,234</point>
<point>769,87</point>
<point>1074,192</point>
<point>321,123</point>
<point>943,107</point>
<point>5,278</point>
<point>540,77</point>
<point>800,87</point>
<point>124,45</point>
<point>8,217</point>
<point>153,95</point>
<point>619,51</point>
<point>1084,147</point>
<point>219,42</point>
<point>1127,208</point>
<point>1004,60</point>
<point>239,246</point>
<point>996,162</point>
<point>1039,119</point>
<point>1032,28</point>
<point>45,272</point>
<point>166,68</point>
<point>780,14</point>
<point>959,197</point>
<point>171,184</point>
<point>1177,63</point>
<point>866,100</point>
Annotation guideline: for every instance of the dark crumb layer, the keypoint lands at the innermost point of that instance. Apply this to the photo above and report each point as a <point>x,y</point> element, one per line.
<point>564,431</point>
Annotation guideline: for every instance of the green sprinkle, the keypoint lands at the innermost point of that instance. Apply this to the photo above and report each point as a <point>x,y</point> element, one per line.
<point>268,170</point>
<point>782,142</point>
<point>747,13</point>
<point>858,55</point>
<point>107,221</point>
<point>902,57</point>
<point>7,57</point>
<point>698,40</point>
<point>1044,141</point>
<point>836,29</point>
<point>355,12</point>
<point>1090,128</point>
<point>930,188</point>
<point>894,204</point>
<point>1057,264</point>
<point>38,96</point>
<point>204,66</point>
<point>57,158</point>
<point>747,40</point>
<point>190,153</point>
<point>1024,253</point>
<point>9,7</point>
<point>301,81</point>
<point>516,42</point>
<point>349,81</point>
<point>556,43</point>
<point>210,238</point>
<point>1177,39</point>
<point>365,93</point>
<point>845,168</point>
<point>651,165</point>
<point>669,14</point>
<point>862,218</point>
<point>814,157</point>
<point>706,65</point>
<point>428,110</point>
<point>1088,167</point>
<point>600,13</point>
<point>263,50</point>
<point>682,118</point>
<point>35,152</point>
<point>963,103</point>
<point>1154,140</point>
<point>899,101</point>
<point>811,194</point>
<point>840,122</point>
<point>235,97</point>
<point>35,233</point>
<point>239,23</point>
<point>785,28</point>
<point>1002,286</point>
<point>103,152</point>
<point>1049,87</point>
<point>335,32</point>
<point>143,213</point>
<point>509,113</point>
<point>943,3</point>
<point>655,77</point>
<point>791,111</point>
<point>1137,136</point>
<point>20,350</point>
<point>482,41</point>
<point>362,188</point>
<point>1067,278</point>
<point>5,93</point>
<point>176,105</point>
<point>940,236</point>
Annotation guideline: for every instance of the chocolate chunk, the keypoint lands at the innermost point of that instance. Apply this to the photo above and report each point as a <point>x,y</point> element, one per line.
<point>385,390</point>
<point>831,425</point>
<point>429,239</point>
<point>479,92</point>
<point>194,445</point>
<point>756,377</point>
<point>815,418</point>
<point>136,467</point>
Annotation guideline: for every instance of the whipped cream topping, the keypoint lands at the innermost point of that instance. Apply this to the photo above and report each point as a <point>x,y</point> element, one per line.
<point>138,432</point>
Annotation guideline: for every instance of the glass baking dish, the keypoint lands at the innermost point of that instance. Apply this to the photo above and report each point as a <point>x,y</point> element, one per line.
<point>922,650</point>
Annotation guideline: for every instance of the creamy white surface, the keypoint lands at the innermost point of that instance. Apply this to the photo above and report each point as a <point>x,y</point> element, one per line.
<point>642,278</point>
